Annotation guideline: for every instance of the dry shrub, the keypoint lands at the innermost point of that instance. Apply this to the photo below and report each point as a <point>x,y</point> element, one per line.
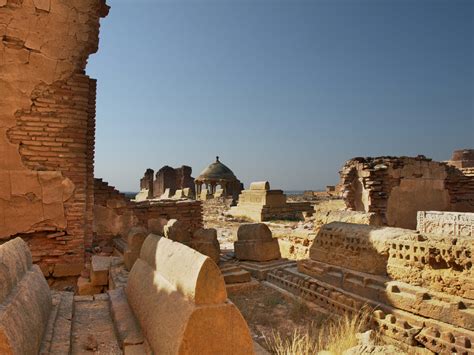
<point>302,342</point>
<point>334,336</point>
<point>340,334</point>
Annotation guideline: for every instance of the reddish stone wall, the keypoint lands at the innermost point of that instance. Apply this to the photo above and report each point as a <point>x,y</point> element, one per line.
<point>47,123</point>
<point>115,214</point>
<point>189,212</point>
<point>173,179</point>
<point>396,188</point>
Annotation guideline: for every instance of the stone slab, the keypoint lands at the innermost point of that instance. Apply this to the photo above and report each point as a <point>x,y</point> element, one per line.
<point>100,266</point>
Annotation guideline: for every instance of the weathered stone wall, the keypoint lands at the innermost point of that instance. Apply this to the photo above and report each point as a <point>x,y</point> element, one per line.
<point>396,188</point>
<point>115,214</point>
<point>420,287</point>
<point>47,122</point>
<point>453,224</point>
<point>173,179</point>
<point>188,212</point>
<point>259,203</point>
<point>146,182</point>
<point>463,158</point>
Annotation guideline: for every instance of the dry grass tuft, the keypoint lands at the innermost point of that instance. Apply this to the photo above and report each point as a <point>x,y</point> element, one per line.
<point>341,334</point>
<point>334,336</point>
<point>301,343</point>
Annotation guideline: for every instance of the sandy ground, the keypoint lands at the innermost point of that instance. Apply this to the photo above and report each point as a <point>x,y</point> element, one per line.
<point>269,313</point>
<point>266,311</point>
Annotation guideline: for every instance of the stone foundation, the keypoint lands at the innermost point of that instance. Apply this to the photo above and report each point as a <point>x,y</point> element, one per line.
<point>396,188</point>
<point>259,204</point>
<point>115,214</point>
<point>419,287</point>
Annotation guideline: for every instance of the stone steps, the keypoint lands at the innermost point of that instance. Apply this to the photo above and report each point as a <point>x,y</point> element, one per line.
<point>237,276</point>
<point>128,331</point>
<point>57,337</point>
<point>92,326</point>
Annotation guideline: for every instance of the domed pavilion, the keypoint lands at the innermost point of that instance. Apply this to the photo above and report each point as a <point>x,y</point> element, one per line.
<point>217,174</point>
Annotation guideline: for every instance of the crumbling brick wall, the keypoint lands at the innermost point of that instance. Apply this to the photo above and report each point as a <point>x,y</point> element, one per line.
<point>115,214</point>
<point>47,119</point>
<point>396,188</point>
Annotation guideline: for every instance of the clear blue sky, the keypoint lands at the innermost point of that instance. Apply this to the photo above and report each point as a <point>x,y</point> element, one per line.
<point>284,91</point>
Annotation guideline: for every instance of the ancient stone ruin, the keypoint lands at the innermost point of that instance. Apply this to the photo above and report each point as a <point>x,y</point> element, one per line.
<point>167,183</point>
<point>174,301</point>
<point>420,286</point>
<point>47,116</point>
<point>463,159</point>
<point>191,313</point>
<point>396,188</point>
<point>83,268</point>
<point>214,176</point>
<point>255,243</point>
<point>259,203</point>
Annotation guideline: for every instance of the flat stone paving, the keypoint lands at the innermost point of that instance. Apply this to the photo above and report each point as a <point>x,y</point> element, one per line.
<point>92,328</point>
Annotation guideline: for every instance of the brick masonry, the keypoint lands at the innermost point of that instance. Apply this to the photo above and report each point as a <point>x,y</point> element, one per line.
<point>396,188</point>
<point>47,128</point>
<point>115,214</point>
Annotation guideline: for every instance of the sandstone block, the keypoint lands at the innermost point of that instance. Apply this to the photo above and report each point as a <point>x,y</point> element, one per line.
<point>187,296</point>
<point>25,300</point>
<point>100,266</point>
<point>86,288</point>
<point>358,247</point>
<point>254,231</point>
<point>136,237</point>
<point>177,231</point>
<point>238,276</point>
<point>156,225</point>
<point>257,250</point>
<point>63,270</point>
<point>260,185</point>
<point>166,194</point>
<point>255,243</point>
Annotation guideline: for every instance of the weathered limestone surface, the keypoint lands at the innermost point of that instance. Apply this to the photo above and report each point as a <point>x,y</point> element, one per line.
<point>25,300</point>
<point>356,246</point>
<point>396,188</point>
<point>205,241</point>
<point>177,231</point>
<point>47,119</point>
<point>172,179</point>
<point>179,298</point>
<point>357,217</point>
<point>453,224</point>
<point>259,203</point>
<point>420,286</point>
<point>100,266</point>
<point>115,214</point>
<point>255,243</point>
<point>135,239</point>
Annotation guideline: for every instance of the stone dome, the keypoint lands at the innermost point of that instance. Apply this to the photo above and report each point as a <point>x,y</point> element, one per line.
<point>216,171</point>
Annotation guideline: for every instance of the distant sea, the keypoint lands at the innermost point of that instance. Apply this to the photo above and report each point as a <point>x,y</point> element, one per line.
<point>293,192</point>
<point>287,192</point>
